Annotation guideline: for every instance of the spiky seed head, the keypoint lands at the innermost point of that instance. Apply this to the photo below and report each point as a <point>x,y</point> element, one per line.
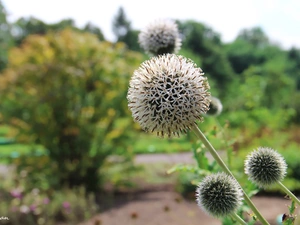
<point>160,37</point>
<point>265,166</point>
<point>219,195</point>
<point>167,94</point>
<point>215,107</point>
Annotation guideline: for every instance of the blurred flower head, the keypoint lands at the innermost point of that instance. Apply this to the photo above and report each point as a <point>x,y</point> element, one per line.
<point>35,191</point>
<point>167,94</point>
<point>265,166</point>
<point>160,37</point>
<point>66,205</point>
<point>46,201</point>
<point>16,193</point>
<point>215,107</point>
<point>33,207</point>
<point>24,209</point>
<point>219,195</point>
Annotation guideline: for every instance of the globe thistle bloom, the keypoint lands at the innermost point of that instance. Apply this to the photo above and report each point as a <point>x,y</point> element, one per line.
<point>265,166</point>
<point>160,37</point>
<point>215,107</point>
<point>167,94</point>
<point>219,195</point>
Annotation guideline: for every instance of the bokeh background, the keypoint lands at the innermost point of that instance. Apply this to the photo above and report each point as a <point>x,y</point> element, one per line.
<point>70,151</point>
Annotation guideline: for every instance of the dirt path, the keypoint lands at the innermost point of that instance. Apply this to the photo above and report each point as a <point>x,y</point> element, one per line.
<point>166,207</point>
<point>169,208</point>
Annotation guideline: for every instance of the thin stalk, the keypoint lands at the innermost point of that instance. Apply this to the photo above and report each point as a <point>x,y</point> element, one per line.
<point>238,218</point>
<point>196,157</point>
<point>288,192</point>
<point>219,160</point>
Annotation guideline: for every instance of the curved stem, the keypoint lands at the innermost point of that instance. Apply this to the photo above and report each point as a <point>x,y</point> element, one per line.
<point>238,218</point>
<point>218,159</point>
<point>288,192</point>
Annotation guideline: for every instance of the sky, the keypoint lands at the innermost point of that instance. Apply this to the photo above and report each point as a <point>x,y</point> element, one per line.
<point>279,19</point>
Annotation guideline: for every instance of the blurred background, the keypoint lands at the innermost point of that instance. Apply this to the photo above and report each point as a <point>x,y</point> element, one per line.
<point>70,151</point>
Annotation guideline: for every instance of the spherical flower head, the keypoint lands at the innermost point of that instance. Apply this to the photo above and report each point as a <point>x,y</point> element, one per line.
<point>215,107</point>
<point>160,37</point>
<point>219,195</point>
<point>265,167</point>
<point>167,94</point>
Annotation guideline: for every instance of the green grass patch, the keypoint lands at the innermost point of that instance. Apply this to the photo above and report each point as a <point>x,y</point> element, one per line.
<point>149,143</point>
<point>16,150</point>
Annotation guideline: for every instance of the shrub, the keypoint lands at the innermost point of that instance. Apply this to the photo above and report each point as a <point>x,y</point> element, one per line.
<point>66,92</point>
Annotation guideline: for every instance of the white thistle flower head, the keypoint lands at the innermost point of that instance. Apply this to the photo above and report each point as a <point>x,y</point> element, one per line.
<point>265,166</point>
<point>160,37</point>
<point>167,94</point>
<point>215,107</point>
<point>219,195</point>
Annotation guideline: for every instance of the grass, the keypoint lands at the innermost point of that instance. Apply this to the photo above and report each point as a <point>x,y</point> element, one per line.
<point>149,143</point>
<point>11,149</point>
<point>15,150</point>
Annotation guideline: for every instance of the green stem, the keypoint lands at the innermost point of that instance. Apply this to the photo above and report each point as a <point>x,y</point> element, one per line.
<point>196,157</point>
<point>288,192</point>
<point>218,159</point>
<point>238,218</point>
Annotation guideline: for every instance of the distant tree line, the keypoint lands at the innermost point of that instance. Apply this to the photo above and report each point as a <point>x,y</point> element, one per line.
<point>224,63</point>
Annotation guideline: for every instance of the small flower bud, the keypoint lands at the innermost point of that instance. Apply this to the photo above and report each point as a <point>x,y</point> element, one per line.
<point>215,107</point>
<point>219,195</point>
<point>265,166</point>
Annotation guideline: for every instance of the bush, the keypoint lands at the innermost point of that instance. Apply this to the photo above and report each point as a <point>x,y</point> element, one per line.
<point>67,92</point>
<point>36,207</point>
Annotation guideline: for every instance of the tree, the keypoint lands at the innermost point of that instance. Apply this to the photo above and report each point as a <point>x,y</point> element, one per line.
<point>254,36</point>
<point>294,59</point>
<point>24,27</point>
<point>198,37</point>
<point>5,37</point>
<point>121,25</point>
<point>67,92</point>
<point>89,27</point>
<point>206,43</point>
<point>251,47</point>
<point>31,25</point>
<point>124,33</point>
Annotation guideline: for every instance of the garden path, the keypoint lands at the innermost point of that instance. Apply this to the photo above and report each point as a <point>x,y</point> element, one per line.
<point>164,206</point>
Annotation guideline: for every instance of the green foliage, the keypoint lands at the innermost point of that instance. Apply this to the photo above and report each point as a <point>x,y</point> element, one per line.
<point>289,219</point>
<point>91,28</point>
<point>294,59</point>
<point>284,141</point>
<point>204,42</point>
<point>252,102</point>
<point>191,175</point>
<point>37,171</point>
<point>66,91</point>
<point>147,143</point>
<point>251,47</point>
<point>31,25</point>
<point>254,36</point>
<point>5,37</point>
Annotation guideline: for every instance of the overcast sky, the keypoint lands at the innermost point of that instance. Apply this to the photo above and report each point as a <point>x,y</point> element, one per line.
<point>280,19</point>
